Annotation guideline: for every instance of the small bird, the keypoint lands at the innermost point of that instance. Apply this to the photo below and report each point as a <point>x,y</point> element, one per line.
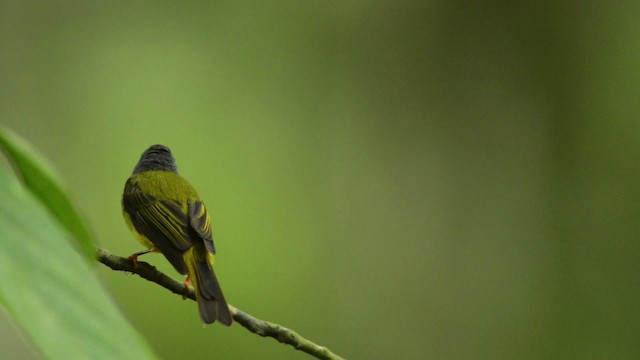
<point>166,215</point>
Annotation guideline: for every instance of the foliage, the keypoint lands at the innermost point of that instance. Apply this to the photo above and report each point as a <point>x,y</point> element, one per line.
<point>47,287</point>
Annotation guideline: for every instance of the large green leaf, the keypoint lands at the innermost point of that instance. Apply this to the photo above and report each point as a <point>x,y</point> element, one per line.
<point>51,291</point>
<point>42,182</point>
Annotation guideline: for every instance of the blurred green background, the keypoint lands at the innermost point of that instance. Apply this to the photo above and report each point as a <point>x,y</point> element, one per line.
<point>395,180</point>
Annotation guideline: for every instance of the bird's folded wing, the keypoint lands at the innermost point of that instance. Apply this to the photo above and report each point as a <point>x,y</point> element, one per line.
<point>164,223</point>
<point>201,223</point>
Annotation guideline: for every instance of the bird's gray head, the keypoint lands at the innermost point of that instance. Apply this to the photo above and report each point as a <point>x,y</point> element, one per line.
<point>156,157</point>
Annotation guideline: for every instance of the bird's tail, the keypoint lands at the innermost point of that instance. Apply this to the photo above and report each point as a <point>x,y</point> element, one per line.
<point>211,302</point>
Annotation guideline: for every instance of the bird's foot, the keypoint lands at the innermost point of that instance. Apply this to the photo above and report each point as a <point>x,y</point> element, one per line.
<point>134,256</point>
<point>187,282</point>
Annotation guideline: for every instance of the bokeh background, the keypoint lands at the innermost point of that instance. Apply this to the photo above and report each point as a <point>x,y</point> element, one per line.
<point>395,180</point>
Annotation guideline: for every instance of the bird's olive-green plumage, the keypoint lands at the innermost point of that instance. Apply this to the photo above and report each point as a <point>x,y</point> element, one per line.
<point>166,214</point>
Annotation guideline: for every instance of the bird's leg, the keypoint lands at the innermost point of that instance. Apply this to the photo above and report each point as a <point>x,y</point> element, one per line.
<point>187,282</point>
<point>134,256</point>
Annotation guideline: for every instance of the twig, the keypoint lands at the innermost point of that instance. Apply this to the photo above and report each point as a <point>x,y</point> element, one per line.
<point>255,325</point>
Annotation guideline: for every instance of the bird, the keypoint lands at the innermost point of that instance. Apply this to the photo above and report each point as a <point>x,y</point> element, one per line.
<point>166,215</point>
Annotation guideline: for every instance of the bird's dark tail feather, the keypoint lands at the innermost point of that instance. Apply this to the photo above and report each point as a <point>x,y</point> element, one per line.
<point>211,302</point>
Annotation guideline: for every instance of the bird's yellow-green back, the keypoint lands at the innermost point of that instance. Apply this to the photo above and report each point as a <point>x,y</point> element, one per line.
<point>163,185</point>
<point>160,185</point>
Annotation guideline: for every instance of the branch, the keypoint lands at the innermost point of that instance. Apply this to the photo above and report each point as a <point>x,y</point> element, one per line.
<point>255,325</point>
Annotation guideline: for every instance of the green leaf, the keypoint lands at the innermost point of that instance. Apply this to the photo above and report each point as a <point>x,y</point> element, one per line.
<point>41,181</point>
<point>51,291</point>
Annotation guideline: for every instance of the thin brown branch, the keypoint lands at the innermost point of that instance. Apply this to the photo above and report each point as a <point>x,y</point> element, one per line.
<point>253,324</point>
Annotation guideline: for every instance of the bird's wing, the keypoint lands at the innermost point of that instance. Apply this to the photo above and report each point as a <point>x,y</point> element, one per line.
<point>164,223</point>
<point>201,223</point>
